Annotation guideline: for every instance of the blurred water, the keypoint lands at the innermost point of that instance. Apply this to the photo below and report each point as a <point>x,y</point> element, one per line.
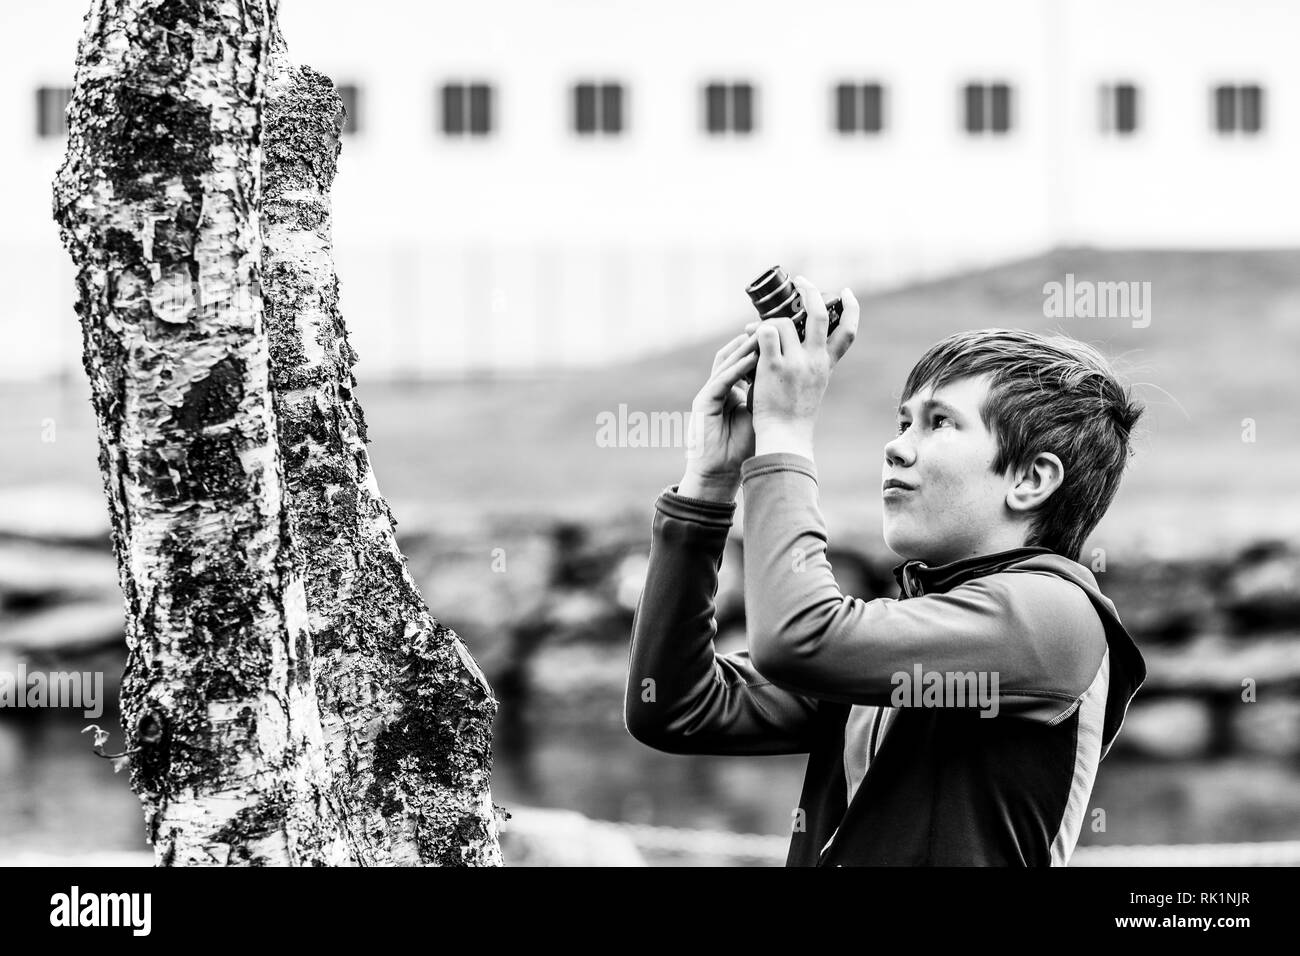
<point>56,797</point>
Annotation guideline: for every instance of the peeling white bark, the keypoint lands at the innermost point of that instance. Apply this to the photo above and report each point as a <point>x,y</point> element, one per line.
<point>255,585</point>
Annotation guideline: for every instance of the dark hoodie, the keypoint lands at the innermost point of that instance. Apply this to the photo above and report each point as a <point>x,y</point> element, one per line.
<point>910,780</point>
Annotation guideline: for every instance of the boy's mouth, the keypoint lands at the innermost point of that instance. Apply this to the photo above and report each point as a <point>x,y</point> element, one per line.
<point>894,488</point>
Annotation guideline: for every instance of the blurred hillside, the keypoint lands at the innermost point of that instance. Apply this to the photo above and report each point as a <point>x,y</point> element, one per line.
<point>1221,346</point>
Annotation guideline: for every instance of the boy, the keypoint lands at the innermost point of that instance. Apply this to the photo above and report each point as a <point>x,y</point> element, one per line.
<point>1010,447</point>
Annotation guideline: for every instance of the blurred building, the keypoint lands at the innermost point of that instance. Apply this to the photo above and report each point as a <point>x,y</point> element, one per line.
<point>526,185</point>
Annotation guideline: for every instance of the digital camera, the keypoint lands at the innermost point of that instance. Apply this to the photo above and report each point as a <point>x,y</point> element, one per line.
<point>775,296</point>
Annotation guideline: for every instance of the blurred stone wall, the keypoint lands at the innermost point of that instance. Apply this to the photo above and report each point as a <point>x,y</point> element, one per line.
<point>546,608</point>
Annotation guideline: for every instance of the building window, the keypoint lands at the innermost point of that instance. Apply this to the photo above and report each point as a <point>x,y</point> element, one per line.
<point>1238,108</point>
<point>351,96</point>
<point>987,107</point>
<point>859,108</point>
<point>729,107</point>
<point>598,108</point>
<point>466,109</point>
<point>51,104</point>
<point>1119,108</point>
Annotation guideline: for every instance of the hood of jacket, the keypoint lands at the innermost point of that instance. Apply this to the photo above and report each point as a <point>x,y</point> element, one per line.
<point>1127,666</point>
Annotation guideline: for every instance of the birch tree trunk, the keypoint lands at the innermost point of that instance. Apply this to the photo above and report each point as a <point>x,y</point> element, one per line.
<point>227,554</point>
<point>407,713</point>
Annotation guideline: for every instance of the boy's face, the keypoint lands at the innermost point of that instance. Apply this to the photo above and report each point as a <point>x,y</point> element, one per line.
<point>957,507</point>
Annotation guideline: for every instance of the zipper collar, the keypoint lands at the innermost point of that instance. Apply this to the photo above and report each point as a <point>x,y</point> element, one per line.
<point>915,577</point>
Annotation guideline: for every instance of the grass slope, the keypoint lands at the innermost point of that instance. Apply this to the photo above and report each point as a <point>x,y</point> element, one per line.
<point>1222,346</point>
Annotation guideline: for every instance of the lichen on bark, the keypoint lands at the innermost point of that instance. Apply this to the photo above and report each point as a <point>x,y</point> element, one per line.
<point>407,713</point>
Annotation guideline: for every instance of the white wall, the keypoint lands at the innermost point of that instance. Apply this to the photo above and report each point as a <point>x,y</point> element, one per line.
<point>1175,182</point>
<point>534,247</point>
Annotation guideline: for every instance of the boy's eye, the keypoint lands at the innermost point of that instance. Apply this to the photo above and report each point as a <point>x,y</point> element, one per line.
<point>934,421</point>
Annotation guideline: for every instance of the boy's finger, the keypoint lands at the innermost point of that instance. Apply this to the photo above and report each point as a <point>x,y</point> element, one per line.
<point>769,340</point>
<point>726,350</point>
<point>730,372</point>
<point>729,375</point>
<point>736,397</point>
<point>819,320</point>
<point>847,330</point>
<point>787,333</point>
<point>744,345</point>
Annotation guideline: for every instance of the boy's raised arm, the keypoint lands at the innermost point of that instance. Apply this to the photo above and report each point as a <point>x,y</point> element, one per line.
<point>1037,633</point>
<point>681,696</point>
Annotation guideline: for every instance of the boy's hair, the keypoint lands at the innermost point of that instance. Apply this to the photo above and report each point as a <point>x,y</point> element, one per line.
<point>1046,394</point>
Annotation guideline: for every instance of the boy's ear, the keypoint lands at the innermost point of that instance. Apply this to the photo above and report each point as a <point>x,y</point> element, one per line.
<point>1036,483</point>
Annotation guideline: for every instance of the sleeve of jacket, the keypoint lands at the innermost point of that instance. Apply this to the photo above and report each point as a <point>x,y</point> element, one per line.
<point>682,697</point>
<point>1034,633</point>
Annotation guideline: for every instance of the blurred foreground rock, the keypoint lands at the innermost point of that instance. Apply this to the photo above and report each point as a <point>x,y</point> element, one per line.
<point>1263,588</point>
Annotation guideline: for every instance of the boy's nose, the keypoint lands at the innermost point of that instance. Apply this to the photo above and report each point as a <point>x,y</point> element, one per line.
<point>898,452</point>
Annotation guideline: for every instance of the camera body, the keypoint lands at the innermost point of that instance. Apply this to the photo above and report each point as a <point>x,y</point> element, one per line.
<point>774,295</point>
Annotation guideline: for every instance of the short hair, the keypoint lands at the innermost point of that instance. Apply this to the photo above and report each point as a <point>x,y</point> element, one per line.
<point>1046,394</point>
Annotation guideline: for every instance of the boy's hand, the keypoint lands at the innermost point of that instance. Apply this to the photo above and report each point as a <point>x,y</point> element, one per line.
<point>792,375</point>
<point>721,433</point>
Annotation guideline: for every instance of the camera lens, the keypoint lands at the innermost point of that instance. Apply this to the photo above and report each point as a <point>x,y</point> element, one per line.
<point>766,285</point>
